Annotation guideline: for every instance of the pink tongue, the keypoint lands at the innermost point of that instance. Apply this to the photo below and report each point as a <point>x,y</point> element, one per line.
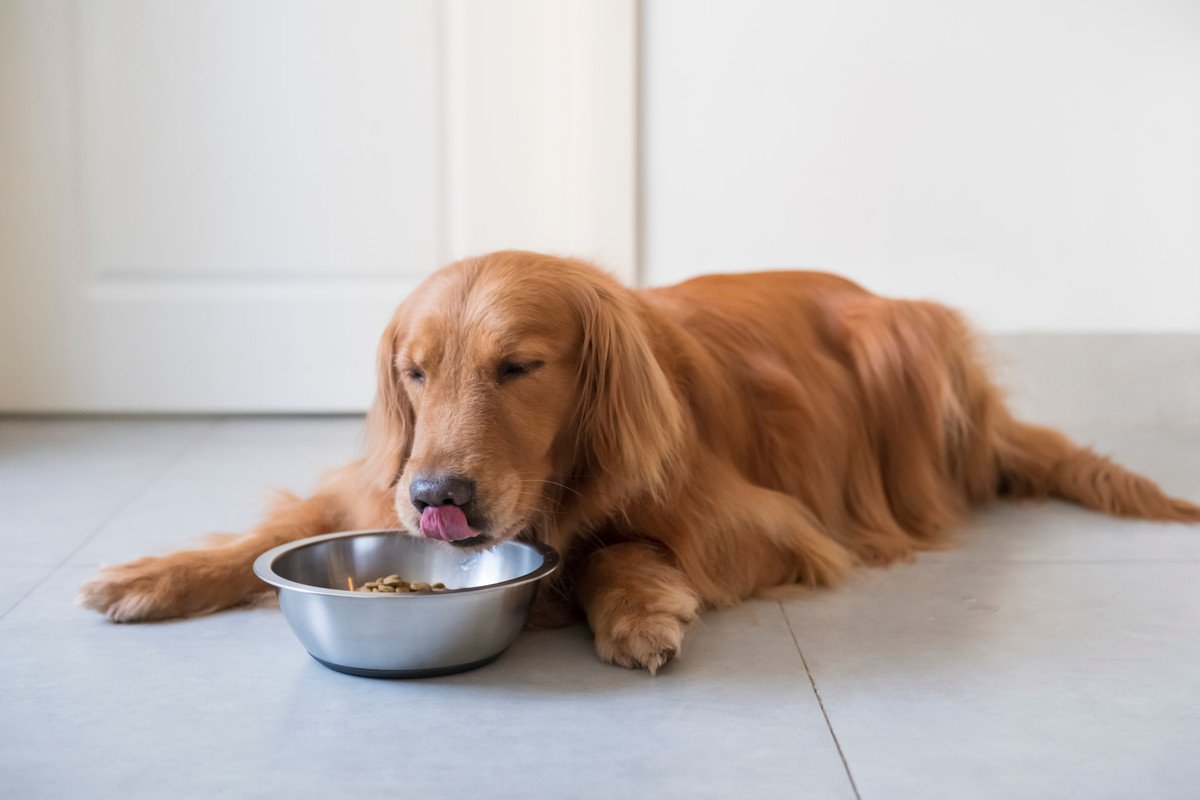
<point>447,523</point>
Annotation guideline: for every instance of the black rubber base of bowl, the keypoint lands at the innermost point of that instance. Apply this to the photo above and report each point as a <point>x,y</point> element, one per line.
<point>408,673</point>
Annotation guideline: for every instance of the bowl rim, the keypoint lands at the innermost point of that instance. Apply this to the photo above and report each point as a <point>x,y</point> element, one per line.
<point>264,567</point>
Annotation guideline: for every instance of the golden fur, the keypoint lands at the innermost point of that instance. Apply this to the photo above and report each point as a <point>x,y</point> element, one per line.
<point>683,447</point>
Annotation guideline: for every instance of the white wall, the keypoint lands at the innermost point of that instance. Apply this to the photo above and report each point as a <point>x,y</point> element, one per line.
<point>1035,163</point>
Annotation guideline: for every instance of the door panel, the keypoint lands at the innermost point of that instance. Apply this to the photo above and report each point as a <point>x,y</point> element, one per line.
<point>248,192</point>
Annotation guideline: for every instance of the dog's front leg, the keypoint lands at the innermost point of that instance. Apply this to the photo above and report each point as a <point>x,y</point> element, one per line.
<point>212,578</point>
<point>638,604</point>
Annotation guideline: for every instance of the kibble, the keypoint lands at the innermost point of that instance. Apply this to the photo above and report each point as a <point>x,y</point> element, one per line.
<point>394,584</point>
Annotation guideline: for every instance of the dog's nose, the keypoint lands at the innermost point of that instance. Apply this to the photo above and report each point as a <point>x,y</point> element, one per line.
<point>441,490</point>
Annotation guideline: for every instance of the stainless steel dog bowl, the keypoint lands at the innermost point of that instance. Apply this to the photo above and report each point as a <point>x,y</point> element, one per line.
<point>403,635</point>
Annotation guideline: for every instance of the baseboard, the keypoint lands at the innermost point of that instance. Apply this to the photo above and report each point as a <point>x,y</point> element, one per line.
<point>1078,380</point>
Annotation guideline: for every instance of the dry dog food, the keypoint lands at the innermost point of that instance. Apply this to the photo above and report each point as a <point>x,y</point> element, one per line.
<point>393,583</point>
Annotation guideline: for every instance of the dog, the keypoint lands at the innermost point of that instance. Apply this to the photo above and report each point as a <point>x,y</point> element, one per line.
<point>682,447</point>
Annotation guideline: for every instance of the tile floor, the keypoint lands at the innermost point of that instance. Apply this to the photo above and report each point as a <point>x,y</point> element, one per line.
<point>1056,653</point>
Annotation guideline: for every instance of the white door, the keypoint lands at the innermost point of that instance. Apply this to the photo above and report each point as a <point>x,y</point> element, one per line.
<point>214,206</point>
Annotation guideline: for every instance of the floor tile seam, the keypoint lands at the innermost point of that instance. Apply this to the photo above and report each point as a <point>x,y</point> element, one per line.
<point>820,702</point>
<point>133,497</point>
<point>1183,425</point>
<point>1123,561</point>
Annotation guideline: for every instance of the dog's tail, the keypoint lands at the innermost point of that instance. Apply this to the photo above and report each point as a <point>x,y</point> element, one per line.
<point>940,422</point>
<point>1040,462</point>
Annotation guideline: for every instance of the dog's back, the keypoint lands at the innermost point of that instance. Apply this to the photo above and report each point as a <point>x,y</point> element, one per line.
<point>877,413</point>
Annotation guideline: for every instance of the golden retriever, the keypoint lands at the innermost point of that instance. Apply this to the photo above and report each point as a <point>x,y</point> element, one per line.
<point>682,447</point>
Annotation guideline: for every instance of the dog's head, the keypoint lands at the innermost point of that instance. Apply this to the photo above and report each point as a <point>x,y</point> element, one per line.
<point>513,388</point>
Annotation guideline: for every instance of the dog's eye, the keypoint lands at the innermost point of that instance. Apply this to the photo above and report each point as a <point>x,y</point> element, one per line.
<point>512,369</point>
<point>415,375</point>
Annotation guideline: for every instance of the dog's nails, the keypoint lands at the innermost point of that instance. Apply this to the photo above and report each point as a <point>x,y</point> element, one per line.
<point>656,662</point>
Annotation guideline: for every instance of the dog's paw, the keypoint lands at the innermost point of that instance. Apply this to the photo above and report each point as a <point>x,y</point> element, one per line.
<point>641,640</point>
<point>137,590</point>
<point>157,588</point>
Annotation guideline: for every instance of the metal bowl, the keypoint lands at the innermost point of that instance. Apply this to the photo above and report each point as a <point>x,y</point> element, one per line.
<point>403,635</point>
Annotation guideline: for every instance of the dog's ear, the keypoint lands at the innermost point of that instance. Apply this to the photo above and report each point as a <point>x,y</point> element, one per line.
<point>390,419</point>
<point>630,417</point>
